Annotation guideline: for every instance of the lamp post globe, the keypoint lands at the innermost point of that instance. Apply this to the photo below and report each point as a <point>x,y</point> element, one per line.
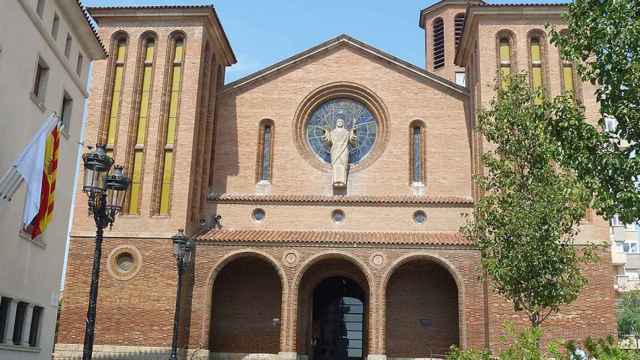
<point>105,193</point>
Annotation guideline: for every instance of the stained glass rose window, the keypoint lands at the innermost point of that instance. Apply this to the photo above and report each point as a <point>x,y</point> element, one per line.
<point>356,116</point>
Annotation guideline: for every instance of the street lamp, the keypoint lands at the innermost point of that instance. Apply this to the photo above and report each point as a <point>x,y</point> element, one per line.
<point>106,193</point>
<point>182,249</point>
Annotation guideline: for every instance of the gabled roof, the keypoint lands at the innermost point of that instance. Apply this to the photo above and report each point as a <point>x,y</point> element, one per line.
<point>345,40</point>
<point>160,10</point>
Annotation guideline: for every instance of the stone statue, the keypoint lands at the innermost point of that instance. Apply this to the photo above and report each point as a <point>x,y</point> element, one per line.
<point>339,139</point>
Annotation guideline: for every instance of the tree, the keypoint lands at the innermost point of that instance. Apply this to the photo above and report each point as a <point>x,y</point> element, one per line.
<point>527,219</point>
<point>602,39</point>
<point>628,314</point>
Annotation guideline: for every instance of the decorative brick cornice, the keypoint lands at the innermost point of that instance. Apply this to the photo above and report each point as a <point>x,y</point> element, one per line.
<point>362,200</point>
<point>336,237</point>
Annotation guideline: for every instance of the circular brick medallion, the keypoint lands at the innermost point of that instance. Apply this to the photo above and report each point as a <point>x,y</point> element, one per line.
<point>377,260</point>
<point>291,258</point>
<point>125,262</point>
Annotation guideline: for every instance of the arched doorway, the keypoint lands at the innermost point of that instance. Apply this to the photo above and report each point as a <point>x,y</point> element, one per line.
<point>333,311</point>
<point>245,309</point>
<point>422,314</point>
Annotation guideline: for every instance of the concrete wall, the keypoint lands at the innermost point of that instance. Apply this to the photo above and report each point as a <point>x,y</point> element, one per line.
<point>31,270</point>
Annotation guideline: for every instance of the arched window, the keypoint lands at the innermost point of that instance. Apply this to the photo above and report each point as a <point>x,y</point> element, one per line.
<point>173,91</point>
<point>438,43</point>
<point>458,22</point>
<point>265,151</point>
<point>119,49</point>
<point>505,57</point>
<point>139,125</point>
<point>536,59</point>
<point>416,152</point>
<point>568,74</point>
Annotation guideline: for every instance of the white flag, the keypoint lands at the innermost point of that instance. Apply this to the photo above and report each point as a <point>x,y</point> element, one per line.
<point>30,165</point>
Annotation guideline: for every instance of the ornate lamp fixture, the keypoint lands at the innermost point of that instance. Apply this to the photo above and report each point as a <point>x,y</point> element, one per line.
<point>183,249</point>
<point>106,195</point>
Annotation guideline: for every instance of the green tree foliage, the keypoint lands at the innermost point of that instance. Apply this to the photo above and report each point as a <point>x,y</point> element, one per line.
<point>602,39</point>
<point>628,313</point>
<point>527,219</point>
<point>523,345</point>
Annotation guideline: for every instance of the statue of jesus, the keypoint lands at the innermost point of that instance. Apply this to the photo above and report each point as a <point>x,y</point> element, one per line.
<point>339,139</point>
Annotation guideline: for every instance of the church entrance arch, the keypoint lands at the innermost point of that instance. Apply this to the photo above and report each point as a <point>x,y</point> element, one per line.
<point>422,310</point>
<point>333,311</point>
<point>245,309</point>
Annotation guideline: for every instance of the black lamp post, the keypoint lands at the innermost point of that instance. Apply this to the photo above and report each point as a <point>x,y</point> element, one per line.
<point>182,248</point>
<point>106,194</point>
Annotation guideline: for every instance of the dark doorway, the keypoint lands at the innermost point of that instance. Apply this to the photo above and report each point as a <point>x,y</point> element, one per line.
<point>338,322</point>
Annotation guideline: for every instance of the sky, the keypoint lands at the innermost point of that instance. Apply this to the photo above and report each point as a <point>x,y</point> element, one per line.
<point>262,32</point>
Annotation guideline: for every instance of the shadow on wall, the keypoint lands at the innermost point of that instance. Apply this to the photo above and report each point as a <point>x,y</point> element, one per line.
<point>149,354</point>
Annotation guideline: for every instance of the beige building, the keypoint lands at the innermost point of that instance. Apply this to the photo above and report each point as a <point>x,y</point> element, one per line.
<point>46,50</point>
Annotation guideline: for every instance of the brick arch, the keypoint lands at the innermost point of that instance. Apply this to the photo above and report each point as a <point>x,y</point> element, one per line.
<point>433,258</point>
<point>371,289</point>
<point>211,278</point>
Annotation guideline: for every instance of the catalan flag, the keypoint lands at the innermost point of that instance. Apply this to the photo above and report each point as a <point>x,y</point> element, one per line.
<point>37,166</point>
<point>47,192</point>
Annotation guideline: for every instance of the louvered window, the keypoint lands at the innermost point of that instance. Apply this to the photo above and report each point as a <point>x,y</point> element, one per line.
<point>458,22</point>
<point>438,43</point>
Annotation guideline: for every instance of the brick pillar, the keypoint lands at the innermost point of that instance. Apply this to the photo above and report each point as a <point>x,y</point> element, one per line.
<point>26,327</point>
<point>11,321</point>
<point>287,325</point>
<point>376,349</point>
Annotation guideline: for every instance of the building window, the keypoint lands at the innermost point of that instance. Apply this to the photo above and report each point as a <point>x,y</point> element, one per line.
<point>65,113</point>
<point>438,43</point>
<point>5,303</point>
<point>504,59</point>
<point>137,144</point>
<point>34,330</point>
<point>40,7</point>
<point>67,46</point>
<point>458,23</point>
<point>55,26</point>
<point>417,153</point>
<point>173,91</point>
<point>117,79</point>
<point>79,65</point>
<point>21,313</point>
<point>40,82</point>
<point>265,151</point>
<point>460,78</point>
<point>537,63</point>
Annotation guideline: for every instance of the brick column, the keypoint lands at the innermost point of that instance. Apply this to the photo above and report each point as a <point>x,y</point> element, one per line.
<point>287,347</point>
<point>11,321</point>
<point>377,324</point>
<point>26,325</point>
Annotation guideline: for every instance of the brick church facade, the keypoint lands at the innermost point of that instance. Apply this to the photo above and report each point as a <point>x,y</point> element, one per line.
<point>298,265</point>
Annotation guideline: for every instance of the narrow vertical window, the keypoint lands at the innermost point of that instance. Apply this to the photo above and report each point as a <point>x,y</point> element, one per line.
<point>40,82</point>
<point>34,330</point>
<point>21,313</point>
<point>117,77</point>
<point>137,146</point>
<point>5,302</point>
<point>535,53</point>
<point>458,22</point>
<point>417,154</point>
<point>504,57</point>
<point>67,46</point>
<point>40,7</point>
<point>438,43</point>
<point>175,82</point>
<point>79,65</point>
<point>65,113</point>
<point>265,151</point>
<point>55,26</point>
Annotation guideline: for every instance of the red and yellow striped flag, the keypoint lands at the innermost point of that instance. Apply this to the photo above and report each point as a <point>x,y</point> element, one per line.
<point>47,194</point>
